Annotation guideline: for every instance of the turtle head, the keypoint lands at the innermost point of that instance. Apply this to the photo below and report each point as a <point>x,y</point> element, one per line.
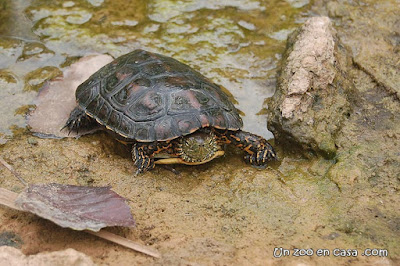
<point>198,147</point>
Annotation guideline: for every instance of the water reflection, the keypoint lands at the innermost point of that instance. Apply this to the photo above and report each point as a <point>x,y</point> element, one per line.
<point>235,43</point>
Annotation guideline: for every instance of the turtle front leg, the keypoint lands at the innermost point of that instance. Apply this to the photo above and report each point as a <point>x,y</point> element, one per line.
<point>143,154</point>
<point>79,121</point>
<point>258,151</point>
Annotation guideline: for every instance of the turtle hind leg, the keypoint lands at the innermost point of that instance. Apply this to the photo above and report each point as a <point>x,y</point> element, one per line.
<point>79,121</point>
<point>258,151</point>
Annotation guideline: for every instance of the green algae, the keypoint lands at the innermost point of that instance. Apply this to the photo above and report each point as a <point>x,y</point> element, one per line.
<point>7,77</point>
<point>25,109</point>
<point>34,80</point>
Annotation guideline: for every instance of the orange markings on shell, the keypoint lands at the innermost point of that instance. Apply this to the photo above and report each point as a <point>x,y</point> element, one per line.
<point>184,125</point>
<point>219,120</point>
<point>204,120</point>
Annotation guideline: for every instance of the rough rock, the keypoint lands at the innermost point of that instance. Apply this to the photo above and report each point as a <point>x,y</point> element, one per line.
<point>379,56</point>
<point>14,257</point>
<point>377,60</point>
<point>311,101</point>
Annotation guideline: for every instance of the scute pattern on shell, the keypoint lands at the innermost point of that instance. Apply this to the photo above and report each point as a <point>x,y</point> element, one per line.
<point>146,96</point>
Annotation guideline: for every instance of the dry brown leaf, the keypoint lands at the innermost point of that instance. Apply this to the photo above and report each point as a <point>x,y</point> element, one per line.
<point>8,198</point>
<point>76,207</point>
<point>81,206</point>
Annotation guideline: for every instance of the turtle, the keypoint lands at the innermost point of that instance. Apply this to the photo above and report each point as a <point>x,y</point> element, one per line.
<point>166,111</point>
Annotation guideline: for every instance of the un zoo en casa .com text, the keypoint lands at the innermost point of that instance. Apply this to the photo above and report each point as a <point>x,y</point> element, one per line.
<point>280,252</point>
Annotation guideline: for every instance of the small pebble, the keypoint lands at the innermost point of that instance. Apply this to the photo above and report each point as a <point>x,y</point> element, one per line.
<point>32,141</point>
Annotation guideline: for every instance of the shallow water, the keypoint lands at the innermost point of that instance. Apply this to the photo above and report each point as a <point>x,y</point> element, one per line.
<point>235,43</point>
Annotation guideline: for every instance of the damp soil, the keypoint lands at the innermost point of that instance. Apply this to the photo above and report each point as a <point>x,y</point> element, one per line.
<point>225,212</point>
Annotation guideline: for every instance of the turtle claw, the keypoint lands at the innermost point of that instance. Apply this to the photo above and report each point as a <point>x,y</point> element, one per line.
<point>79,121</point>
<point>143,166</point>
<point>74,121</point>
<point>72,125</point>
<point>69,124</point>
<point>261,158</point>
<point>258,151</point>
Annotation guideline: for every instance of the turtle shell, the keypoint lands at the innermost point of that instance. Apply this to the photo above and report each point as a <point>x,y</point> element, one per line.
<point>147,97</point>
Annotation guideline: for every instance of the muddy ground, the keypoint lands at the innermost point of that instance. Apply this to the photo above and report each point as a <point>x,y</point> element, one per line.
<point>224,212</point>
